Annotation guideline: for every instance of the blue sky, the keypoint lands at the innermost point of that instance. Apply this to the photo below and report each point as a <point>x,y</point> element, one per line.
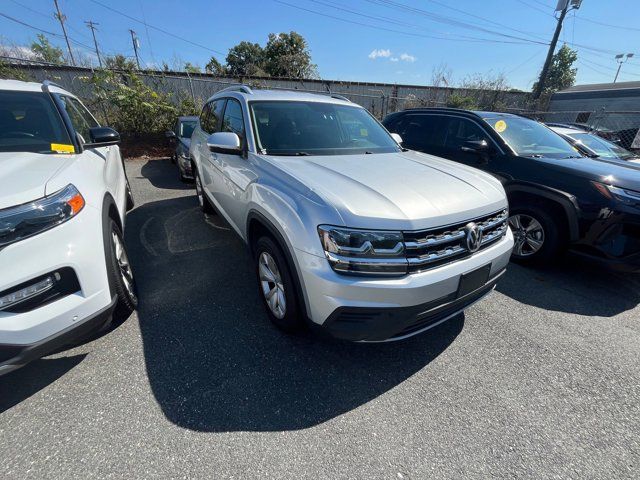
<point>366,40</point>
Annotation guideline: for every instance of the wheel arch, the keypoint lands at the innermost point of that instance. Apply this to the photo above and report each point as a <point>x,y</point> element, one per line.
<point>562,203</point>
<point>258,224</point>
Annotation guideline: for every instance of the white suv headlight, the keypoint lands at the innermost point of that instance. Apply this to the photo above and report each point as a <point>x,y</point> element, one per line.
<point>364,251</point>
<point>23,221</point>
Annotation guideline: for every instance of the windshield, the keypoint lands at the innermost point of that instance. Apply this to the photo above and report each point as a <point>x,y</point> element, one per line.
<point>315,128</point>
<point>529,138</point>
<point>29,122</point>
<point>187,127</point>
<point>602,147</point>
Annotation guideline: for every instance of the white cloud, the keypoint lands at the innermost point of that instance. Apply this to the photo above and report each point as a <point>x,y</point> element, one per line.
<point>394,59</point>
<point>405,57</point>
<point>375,53</point>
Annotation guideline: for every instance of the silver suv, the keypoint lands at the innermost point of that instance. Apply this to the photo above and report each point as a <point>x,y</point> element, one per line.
<point>348,231</point>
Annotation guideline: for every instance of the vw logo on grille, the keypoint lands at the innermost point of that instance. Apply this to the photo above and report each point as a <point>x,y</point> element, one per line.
<point>473,237</point>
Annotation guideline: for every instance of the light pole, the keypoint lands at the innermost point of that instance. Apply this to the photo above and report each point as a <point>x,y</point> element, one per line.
<point>621,58</point>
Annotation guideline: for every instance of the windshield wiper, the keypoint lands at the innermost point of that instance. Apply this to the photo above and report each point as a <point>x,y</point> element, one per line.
<point>535,155</point>
<point>302,154</point>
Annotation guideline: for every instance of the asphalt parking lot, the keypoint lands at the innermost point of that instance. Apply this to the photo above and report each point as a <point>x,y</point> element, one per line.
<point>540,380</point>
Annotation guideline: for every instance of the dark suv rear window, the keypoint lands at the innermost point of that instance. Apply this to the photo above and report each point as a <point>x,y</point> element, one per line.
<point>30,122</point>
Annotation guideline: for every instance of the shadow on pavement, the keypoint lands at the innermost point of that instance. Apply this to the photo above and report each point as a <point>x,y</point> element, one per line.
<point>214,361</point>
<point>21,384</point>
<point>158,173</point>
<point>572,286</point>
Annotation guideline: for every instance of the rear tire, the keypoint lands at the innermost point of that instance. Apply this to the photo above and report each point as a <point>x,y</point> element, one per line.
<point>536,235</point>
<point>203,200</point>
<point>121,280</point>
<point>275,286</point>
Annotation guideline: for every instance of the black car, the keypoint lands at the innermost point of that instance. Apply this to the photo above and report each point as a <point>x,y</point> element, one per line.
<point>180,137</point>
<point>558,197</point>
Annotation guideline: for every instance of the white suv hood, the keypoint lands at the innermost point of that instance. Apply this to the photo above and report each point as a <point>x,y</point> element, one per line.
<point>406,190</point>
<point>23,176</point>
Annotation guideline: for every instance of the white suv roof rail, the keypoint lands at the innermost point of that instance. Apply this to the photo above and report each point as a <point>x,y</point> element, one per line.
<point>240,87</point>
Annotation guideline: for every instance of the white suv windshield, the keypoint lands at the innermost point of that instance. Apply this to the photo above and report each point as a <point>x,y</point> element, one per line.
<point>29,122</point>
<point>529,138</point>
<point>316,128</point>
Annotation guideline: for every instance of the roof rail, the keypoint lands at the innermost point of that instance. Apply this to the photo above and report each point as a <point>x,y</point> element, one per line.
<point>48,83</point>
<point>340,97</point>
<point>238,87</point>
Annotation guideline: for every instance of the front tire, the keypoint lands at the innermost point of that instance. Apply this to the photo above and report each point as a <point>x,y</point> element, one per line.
<point>275,285</point>
<point>536,235</point>
<point>203,200</point>
<point>121,280</point>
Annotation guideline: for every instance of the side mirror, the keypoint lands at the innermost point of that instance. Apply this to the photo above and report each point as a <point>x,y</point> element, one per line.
<point>170,134</point>
<point>397,138</point>
<point>225,142</point>
<point>480,147</point>
<point>102,137</point>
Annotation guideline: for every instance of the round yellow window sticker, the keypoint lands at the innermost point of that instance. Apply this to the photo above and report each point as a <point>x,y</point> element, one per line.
<point>500,126</point>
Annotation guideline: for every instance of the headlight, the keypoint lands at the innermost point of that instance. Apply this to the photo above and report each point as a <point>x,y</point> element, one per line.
<point>628,197</point>
<point>23,221</point>
<point>364,251</point>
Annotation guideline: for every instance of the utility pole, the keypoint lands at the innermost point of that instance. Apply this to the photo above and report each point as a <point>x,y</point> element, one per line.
<point>134,40</point>
<point>62,19</point>
<point>92,26</point>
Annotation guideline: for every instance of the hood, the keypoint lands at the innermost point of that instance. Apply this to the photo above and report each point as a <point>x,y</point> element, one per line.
<point>23,176</point>
<point>620,173</point>
<point>408,190</point>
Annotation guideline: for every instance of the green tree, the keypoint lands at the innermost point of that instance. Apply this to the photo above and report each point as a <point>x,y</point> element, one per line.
<point>561,73</point>
<point>246,58</point>
<point>46,52</point>
<point>215,67</point>
<point>7,72</point>
<point>190,68</point>
<point>288,55</point>
<point>120,62</point>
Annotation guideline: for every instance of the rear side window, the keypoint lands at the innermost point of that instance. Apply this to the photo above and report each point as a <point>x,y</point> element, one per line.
<point>80,117</point>
<point>233,119</point>
<point>422,132</point>
<point>30,122</point>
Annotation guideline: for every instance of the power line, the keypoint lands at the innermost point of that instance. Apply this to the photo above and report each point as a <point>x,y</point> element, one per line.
<point>368,25</point>
<point>538,9</point>
<point>157,28</point>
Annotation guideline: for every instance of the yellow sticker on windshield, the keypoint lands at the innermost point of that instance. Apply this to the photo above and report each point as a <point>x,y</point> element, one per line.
<point>364,132</point>
<point>500,126</point>
<point>62,148</point>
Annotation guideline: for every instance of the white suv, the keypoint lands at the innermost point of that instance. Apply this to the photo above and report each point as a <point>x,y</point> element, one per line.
<point>63,200</point>
<point>348,231</point>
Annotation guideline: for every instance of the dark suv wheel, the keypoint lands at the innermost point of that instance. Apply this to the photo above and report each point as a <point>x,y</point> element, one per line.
<point>536,235</point>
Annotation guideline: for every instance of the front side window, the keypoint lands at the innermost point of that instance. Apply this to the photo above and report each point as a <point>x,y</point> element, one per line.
<point>233,120</point>
<point>30,122</point>
<point>603,148</point>
<point>462,130</point>
<point>211,122</point>
<point>80,117</point>
<point>317,128</point>
<point>529,138</point>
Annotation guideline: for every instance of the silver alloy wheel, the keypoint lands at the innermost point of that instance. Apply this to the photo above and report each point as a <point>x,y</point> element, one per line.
<point>126,274</point>
<point>272,286</point>
<point>199,190</point>
<point>528,234</point>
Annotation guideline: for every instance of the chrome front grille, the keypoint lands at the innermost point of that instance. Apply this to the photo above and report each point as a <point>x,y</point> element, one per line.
<point>430,248</point>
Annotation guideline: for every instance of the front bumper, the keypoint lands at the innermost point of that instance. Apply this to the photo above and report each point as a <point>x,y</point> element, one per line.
<point>15,356</point>
<point>77,245</point>
<point>398,302</point>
